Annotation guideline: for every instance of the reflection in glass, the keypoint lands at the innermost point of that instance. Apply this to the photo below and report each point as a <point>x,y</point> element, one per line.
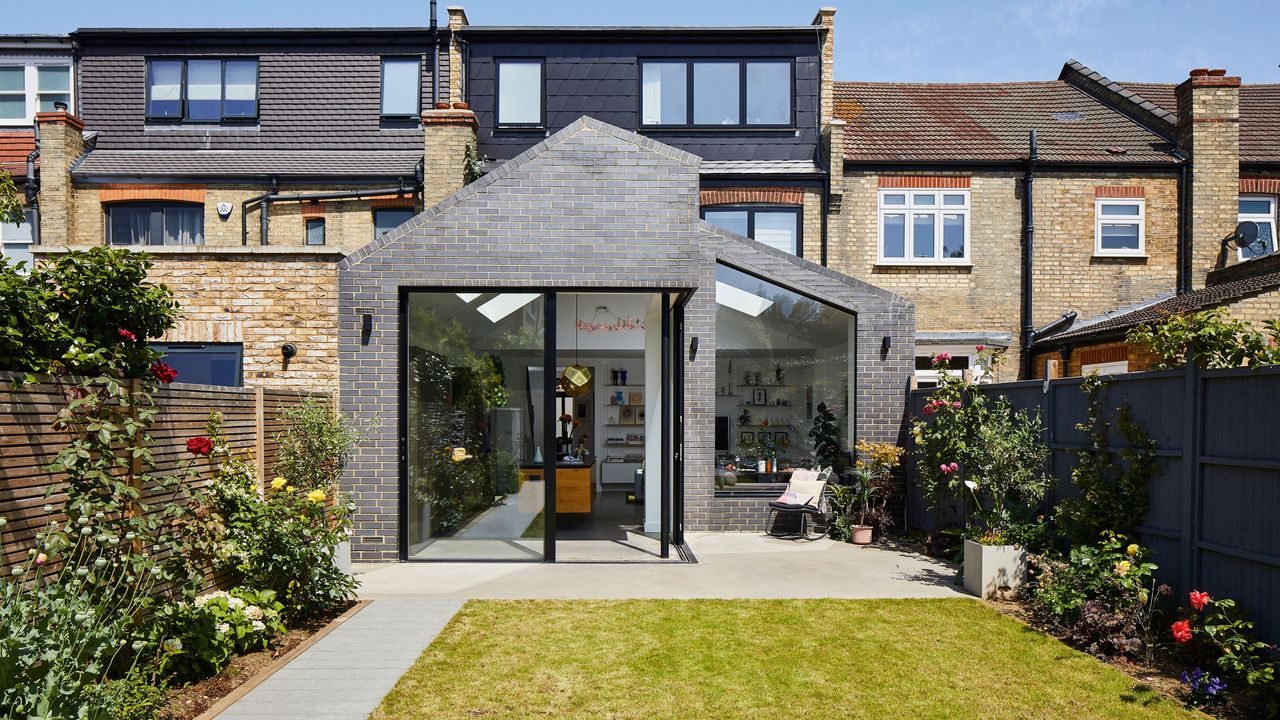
<point>922,235</point>
<point>715,93</point>
<point>779,356</point>
<point>895,235</point>
<point>473,489</point>
<point>519,93</point>
<point>768,93</point>
<point>665,99</point>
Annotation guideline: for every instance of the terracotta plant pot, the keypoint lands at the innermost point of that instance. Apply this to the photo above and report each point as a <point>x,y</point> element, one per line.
<point>860,534</point>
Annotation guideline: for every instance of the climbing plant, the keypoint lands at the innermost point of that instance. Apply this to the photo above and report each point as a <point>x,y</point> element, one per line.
<point>1217,339</point>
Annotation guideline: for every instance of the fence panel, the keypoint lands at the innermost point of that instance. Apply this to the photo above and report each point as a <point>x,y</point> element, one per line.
<point>251,422</point>
<point>1212,505</point>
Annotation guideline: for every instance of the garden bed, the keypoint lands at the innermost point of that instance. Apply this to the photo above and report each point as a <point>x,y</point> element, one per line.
<point>246,671</point>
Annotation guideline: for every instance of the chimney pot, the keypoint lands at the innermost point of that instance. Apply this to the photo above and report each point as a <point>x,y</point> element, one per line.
<point>1217,72</point>
<point>1199,72</point>
<point>60,106</point>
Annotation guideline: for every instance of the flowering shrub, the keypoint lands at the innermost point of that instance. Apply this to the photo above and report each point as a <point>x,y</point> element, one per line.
<point>315,446</point>
<point>1215,630</point>
<point>1218,340</point>
<point>1205,689</point>
<point>206,632</point>
<point>1102,596</point>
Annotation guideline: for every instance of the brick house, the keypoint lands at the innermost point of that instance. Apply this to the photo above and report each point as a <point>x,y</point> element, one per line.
<point>1230,134</point>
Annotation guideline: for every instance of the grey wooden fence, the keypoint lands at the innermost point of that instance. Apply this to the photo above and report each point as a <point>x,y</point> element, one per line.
<point>1215,501</point>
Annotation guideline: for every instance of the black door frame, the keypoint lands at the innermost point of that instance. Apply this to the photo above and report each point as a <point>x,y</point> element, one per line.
<point>672,397</point>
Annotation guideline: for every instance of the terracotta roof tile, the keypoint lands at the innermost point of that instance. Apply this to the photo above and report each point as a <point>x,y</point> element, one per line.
<point>1259,116</point>
<point>905,122</point>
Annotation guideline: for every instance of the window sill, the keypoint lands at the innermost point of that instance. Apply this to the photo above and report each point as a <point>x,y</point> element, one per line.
<point>1142,257</point>
<point>924,265</point>
<point>717,129</point>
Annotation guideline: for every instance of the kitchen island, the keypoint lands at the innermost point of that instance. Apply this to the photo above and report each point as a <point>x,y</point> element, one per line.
<point>575,485</point>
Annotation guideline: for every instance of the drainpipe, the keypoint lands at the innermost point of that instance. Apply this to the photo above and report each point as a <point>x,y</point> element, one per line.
<point>1184,244</point>
<point>1028,255</point>
<point>33,190</point>
<point>401,188</point>
<point>826,199</point>
<point>435,57</point>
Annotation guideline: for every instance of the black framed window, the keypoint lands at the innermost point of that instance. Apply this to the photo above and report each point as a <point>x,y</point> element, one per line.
<point>155,223</point>
<point>401,87</point>
<point>777,227</point>
<point>717,93</point>
<point>205,363</point>
<point>315,231</point>
<point>388,219</point>
<point>202,90</point>
<point>520,93</point>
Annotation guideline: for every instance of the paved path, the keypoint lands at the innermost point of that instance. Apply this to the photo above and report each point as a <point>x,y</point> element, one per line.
<point>346,673</point>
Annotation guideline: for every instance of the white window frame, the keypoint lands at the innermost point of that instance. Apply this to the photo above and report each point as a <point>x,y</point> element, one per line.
<point>1115,367</point>
<point>1140,220</point>
<point>976,370</point>
<point>910,209</point>
<point>1258,218</point>
<point>31,85</point>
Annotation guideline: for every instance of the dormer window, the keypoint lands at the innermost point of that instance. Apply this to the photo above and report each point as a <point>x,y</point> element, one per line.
<point>716,93</point>
<point>201,90</point>
<point>520,93</point>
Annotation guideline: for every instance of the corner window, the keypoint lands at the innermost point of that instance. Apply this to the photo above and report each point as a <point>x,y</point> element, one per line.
<point>205,363</point>
<point>716,93</point>
<point>401,87</point>
<point>202,90</point>
<point>924,226</point>
<point>776,227</point>
<point>155,223</point>
<point>520,93</point>
<point>1260,210</point>
<point>27,88</point>
<point>387,219</point>
<point>1120,228</point>
<point>315,231</point>
<point>15,241</point>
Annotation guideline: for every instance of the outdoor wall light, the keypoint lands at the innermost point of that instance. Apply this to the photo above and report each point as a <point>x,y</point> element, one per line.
<point>288,351</point>
<point>366,327</point>
<point>885,343</point>
<point>693,348</point>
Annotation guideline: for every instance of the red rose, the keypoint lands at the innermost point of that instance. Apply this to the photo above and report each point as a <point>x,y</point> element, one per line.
<point>125,334</point>
<point>1182,631</point>
<point>163,372</point>
<point>199,445</point>
<point>1199,599</point>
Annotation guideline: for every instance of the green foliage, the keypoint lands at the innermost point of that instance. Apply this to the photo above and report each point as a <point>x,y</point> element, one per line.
<point>1222,632</point>
<point>208,631</point>
<point>1217,339</point>
<point>128,698</point>
<point>472,164</point>
<point>12,204</point>
<point>316,445</point>
<point>1103,596</point>
<point>68,315</point>
<point>825,435</point>
<point>1112,490</point>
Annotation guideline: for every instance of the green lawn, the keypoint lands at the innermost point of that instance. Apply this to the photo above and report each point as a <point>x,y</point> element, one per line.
<point>713,659</point>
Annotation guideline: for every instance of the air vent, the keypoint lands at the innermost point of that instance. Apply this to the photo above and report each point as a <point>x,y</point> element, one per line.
<point>1067,116</point>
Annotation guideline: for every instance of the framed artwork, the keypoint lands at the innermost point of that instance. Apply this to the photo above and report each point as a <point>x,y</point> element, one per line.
<point>626,415</point>
<point>637,398</point>
<point>782,439</point>
<point>759,396</point>
<point>746,438</point>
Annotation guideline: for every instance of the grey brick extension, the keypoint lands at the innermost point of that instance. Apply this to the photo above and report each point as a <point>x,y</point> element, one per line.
<point>591,206</point>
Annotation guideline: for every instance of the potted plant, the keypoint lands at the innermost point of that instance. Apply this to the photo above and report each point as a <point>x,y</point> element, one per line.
<point>861,507</point>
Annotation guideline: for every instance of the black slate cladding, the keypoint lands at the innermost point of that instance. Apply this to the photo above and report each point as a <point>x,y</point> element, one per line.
<point>599,77</point>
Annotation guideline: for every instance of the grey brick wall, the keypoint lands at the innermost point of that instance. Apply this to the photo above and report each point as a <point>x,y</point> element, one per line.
<point>624,209</point>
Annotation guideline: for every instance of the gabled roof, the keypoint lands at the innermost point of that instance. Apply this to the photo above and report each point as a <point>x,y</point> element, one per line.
<point>1264,277</point>
<point>1156,105</point>
<point>988,122</point>
<point>15,145</point>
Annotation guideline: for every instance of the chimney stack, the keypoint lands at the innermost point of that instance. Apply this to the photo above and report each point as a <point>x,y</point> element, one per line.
<point>61,144</point>
<point>1208,134</point>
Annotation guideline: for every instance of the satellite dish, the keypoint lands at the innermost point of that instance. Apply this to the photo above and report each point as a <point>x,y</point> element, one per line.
<point>1245,235</point>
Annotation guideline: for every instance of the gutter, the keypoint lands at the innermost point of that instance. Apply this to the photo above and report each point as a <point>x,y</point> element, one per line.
<point>265,201</point>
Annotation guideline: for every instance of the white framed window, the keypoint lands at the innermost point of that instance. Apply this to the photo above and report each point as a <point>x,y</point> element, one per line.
<point>1260,210</point>
<point>29,86</point>
<point>923,227</point>
<point>15,241</point>
<point>1120,227</point>
<point>1106,368</point>
<point>964,361</point>
<point>519,93</point>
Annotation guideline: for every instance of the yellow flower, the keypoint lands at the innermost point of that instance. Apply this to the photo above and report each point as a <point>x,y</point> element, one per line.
<point>316,496</point>
<point>1122,567</point>
<point>1131,551</point>
<point>288,488</point>
<point>278,483</point>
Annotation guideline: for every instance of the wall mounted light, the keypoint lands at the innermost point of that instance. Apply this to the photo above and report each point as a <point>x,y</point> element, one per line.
<point>885,344</point>
<point>693,348</point>
<point>366,327</point>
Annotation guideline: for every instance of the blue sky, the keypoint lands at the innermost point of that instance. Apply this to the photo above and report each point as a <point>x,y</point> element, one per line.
<point>920,41</point>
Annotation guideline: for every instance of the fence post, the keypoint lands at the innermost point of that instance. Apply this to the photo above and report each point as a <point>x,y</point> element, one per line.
<point>1190,527</point>
<point>260,437</point>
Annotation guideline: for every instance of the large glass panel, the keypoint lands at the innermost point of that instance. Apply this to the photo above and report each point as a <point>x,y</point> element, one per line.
<point>211,364</point>
<point>768,93</point>
<point>53,83</point>
<point>473,448</point>
<point>165,89</point>
<point>782,359</point>
<point>400,86</point>
<point>922,235</point>
<point>183,224</point>
<point>519,93</point>
<point>715,93</point>
<point>894,232</point>
<point>1120,236</point>
<point>129,224</point>
<point>241,89</point>
<point>204,90</point>
<point>778,229</point>
<point>734,221</point>
<point>664,96</point>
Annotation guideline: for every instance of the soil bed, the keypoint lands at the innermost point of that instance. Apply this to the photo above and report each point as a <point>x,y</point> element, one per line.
<point>187,703</point>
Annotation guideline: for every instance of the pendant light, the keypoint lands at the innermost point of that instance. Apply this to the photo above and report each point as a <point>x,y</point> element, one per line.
<point>576,379</point>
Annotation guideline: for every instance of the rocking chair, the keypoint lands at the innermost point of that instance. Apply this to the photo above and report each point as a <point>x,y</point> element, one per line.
<point>806,497</point>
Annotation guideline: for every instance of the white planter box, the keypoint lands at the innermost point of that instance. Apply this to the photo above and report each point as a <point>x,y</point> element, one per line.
<point>342,556</point>
<point>994,571</point>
